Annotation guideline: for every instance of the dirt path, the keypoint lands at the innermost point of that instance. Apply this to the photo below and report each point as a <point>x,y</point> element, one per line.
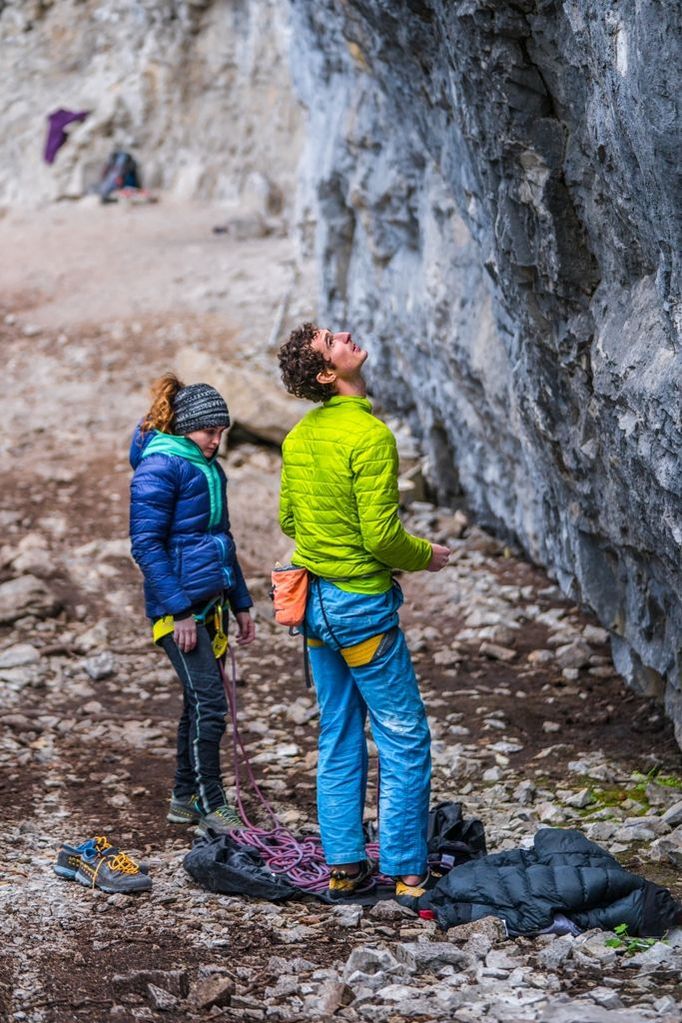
<point>73,263</point>
<point>531,726</point>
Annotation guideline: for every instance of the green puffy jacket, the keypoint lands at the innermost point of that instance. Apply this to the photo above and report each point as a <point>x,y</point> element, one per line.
<point>339,498</point>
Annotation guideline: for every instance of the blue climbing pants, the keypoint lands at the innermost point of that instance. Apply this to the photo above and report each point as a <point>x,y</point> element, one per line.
<point>386,689</point>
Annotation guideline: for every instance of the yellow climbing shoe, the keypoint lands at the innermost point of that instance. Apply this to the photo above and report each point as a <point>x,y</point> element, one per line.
<point>342,884</point>
<point>415,891</point>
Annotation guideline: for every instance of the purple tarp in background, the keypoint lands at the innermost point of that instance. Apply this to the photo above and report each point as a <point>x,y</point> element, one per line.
<point>56,136</point>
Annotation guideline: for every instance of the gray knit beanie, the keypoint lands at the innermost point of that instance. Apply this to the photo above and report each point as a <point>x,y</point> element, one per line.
<point>198,407</point>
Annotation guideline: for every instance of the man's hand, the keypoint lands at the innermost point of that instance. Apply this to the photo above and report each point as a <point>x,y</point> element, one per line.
<point>247,628</point>
<point>185,634</point>
<point>439,557</point>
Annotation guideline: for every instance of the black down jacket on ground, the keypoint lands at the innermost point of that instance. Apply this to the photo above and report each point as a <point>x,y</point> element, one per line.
<point>563,873</point>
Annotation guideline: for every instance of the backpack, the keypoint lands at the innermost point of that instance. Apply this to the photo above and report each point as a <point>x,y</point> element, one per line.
<point>120,171</point>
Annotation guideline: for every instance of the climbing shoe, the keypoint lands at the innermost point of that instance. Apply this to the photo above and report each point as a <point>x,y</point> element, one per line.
<point>221,820</point>
<point>103,866</point>
<point>69,856</point>
<point>415,891</point>
<point>183,810</point>
<point>343,884</point>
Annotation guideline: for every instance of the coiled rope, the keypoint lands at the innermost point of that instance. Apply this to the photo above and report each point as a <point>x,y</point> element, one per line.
<point>300,859</point>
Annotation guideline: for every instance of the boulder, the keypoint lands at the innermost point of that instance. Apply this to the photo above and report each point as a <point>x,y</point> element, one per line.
<point>213,989</point>
<point>673,815</point>
<point>258,403</point>
<point>102,665</point>
<point>668,848</point>
<point>26,595</point>
<point>431,955</point>
<point>18,655</point>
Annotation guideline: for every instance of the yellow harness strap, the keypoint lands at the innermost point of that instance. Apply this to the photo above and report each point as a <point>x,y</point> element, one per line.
<point>165,626</point>
<point>162,627</point>
<point>360,654</point>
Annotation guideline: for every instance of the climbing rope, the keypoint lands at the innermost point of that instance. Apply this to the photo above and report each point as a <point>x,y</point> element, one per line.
<point>300,859</point>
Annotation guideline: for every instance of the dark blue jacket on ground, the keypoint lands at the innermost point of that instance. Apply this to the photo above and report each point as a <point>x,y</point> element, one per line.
<point>564,873</point>
<point>180,528</point>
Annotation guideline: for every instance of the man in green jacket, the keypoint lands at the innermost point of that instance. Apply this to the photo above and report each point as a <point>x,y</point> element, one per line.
<point>339,502</point>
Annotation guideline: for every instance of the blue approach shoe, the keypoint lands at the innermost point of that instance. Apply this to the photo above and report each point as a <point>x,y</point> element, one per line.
<point>102,866</point>
<point>69,856</point>
<point>69,859</point>
<point>97,863</point>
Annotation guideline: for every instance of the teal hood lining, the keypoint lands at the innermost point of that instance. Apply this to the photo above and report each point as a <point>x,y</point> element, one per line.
<point>169,444</point>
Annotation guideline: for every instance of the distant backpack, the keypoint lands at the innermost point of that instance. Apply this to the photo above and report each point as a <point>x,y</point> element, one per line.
<point>120,172</point>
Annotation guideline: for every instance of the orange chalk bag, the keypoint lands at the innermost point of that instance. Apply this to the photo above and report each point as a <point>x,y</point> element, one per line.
<point>289,594</point>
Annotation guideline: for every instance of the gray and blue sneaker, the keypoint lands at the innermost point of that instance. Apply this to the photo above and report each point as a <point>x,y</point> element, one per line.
<point>70,859</point>
<point>184,810</point>
<point>113,871</point>
<point>220,821</point>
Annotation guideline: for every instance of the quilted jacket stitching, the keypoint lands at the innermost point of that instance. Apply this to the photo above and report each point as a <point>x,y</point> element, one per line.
<point>161,483</point>
<point>344,518</point>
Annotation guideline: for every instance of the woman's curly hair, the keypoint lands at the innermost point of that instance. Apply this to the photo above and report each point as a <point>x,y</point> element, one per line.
<point>161,414</point>
<point>299,364</point>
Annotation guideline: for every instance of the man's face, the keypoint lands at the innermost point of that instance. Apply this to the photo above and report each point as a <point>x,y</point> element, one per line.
<point>208,441</point>
<point>340,352</point>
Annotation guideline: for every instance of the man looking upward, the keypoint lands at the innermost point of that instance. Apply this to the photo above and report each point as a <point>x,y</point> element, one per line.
<point>339,502</point>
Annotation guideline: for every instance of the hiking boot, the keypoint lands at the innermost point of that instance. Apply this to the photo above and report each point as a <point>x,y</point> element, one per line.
<point>221,821</point>
<point>183,810</point>
<point>342,884</point>
<point>69,856</point>
<point>103,866</point>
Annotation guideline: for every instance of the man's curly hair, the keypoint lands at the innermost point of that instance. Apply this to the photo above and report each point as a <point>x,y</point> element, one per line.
<point>299,364</point>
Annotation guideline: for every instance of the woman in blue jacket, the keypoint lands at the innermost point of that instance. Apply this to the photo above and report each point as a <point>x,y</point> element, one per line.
<point>180,537</point>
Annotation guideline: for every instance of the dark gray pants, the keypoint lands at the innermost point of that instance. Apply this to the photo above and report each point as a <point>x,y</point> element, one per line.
<point>202,723</point>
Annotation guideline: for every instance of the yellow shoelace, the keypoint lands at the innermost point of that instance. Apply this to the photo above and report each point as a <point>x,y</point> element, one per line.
<point>123,863</point>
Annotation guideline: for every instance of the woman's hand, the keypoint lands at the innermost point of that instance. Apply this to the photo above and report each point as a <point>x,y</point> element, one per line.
<point>247,628</point>
<point>185,634</point>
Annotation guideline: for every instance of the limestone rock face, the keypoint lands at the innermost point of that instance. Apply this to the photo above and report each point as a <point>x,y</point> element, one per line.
<point>198,90</point>
<point>490,189</point>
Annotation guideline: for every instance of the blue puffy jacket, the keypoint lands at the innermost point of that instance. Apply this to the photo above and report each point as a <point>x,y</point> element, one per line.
<point>180,528</point>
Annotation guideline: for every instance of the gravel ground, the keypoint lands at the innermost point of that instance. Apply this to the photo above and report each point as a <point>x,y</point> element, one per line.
<point>531,727</point>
